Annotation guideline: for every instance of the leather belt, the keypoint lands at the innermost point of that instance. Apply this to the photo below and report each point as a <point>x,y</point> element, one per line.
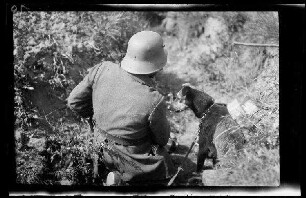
<point>123,141</point>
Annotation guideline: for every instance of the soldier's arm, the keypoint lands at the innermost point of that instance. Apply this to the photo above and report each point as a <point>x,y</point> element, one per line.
<point>80,98</point>
<point>159,125</point>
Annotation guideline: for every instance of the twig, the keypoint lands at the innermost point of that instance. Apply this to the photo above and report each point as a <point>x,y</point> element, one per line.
<point>46,115</point>
<point>47,118</point>
<point>173,178</point>
<point>255,44</point>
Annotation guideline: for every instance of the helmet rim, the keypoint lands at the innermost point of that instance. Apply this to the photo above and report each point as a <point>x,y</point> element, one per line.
<point>145,53</point>
<point>143,67</point>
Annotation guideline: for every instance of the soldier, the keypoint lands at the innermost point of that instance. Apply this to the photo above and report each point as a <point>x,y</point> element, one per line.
<point>129,113</point>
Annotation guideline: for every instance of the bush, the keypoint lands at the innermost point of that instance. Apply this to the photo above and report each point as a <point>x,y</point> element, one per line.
<point>64,157</point>
<point>56,49</point>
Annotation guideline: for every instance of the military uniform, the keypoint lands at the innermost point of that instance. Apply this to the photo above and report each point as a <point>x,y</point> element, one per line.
<point>131,113</point>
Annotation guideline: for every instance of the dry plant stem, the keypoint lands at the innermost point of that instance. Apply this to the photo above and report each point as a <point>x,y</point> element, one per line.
<point>173,178</point>
<point>255,44</point>
<point>46,119</point>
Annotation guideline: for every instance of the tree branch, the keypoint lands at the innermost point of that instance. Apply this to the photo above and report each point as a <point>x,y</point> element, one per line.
<point>255,44</point>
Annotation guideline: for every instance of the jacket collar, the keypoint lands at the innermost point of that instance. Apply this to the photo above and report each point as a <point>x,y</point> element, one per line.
<point>143,79</point>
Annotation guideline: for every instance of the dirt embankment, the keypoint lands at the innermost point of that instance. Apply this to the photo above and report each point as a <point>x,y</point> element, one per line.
<point>188,65</point>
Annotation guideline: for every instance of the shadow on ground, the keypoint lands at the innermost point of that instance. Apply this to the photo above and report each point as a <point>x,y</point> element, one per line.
<point>181,150</point>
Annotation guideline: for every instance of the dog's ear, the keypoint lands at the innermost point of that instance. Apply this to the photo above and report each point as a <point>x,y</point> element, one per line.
<point>185,90</point>
<point>186,87</point>
<point>182,93</point>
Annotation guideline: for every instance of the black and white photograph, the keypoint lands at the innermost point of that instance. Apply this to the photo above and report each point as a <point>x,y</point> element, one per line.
<point>182,100</point>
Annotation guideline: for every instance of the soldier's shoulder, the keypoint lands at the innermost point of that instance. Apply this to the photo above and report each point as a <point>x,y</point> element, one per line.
<point>103,66</point>
<point>107,64</point>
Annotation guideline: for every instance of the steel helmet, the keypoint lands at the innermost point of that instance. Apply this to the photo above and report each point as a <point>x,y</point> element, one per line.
<point>145,53</point>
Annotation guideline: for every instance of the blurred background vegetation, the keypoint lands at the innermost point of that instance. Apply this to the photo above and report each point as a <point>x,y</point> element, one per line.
<point>54,50</point>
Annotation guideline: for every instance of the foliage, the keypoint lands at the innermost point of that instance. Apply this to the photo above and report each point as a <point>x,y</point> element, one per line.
<point>28,164</point>
<point>56,48</point>
<point>65,157</point>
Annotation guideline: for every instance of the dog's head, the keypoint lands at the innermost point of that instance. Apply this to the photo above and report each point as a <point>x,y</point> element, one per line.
<point>196,100</point>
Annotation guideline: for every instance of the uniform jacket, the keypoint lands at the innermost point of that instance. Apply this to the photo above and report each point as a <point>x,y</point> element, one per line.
<point>129,108</point>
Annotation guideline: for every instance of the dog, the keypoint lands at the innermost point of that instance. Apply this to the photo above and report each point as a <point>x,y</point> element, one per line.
<point>217,129</point>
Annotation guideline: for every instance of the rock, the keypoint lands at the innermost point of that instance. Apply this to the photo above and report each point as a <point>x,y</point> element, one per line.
<point>238,110</point>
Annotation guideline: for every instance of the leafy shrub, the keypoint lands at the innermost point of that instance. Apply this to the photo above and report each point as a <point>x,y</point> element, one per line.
<point>65,157</point>
<point>56,48</point>
<point>28,164</point>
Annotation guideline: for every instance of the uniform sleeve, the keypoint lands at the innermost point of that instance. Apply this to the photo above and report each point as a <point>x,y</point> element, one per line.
<point>80,98</point>
<point>159,125</point>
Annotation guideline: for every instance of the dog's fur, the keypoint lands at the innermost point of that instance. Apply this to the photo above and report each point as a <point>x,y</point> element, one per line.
<point>216,121</point>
